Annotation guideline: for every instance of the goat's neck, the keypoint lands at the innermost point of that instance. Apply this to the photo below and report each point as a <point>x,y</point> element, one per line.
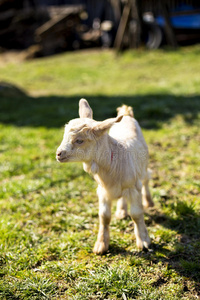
<point>102,160</point>
<point>105,149</point>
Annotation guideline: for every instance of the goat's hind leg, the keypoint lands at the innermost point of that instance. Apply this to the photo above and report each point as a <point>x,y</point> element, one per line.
<point>146,195</point>
<point>103,239</point>
<point>121,212</point>
<point>137,215</point>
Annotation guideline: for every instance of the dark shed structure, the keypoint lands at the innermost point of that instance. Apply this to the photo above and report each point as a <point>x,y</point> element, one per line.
<point>57,25</point>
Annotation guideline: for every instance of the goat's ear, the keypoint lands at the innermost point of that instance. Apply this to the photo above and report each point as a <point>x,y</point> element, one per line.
<point>85,110</point>
<point>104,126</point>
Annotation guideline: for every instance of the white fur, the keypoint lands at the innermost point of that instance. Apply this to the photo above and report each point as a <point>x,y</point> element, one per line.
<point>118,161</point>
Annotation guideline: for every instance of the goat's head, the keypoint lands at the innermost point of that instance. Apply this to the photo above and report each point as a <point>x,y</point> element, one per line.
<point>82,134</point>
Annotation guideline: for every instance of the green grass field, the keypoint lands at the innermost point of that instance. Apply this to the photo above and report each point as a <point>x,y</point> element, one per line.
<point>49,211</point>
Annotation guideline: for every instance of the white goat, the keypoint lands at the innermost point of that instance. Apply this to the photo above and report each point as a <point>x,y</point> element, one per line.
<point>118,162</point>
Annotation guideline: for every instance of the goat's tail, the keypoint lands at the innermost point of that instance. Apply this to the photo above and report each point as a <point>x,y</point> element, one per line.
<point>125,110</point>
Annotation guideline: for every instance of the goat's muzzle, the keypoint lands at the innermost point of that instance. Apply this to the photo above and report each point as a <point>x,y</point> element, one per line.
<point>61,155</point>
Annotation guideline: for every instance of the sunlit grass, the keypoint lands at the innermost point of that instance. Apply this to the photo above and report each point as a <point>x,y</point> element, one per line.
<point>49,211</point>
<point>104,72</point>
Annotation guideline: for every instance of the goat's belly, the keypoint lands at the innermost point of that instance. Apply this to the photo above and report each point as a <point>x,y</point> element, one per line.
<point>112,193</point>
<point>115,192</point>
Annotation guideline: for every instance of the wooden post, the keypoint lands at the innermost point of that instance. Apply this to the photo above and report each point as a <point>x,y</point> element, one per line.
<point>170,35</point>
<point>131,22</point>
<point>135,25</point>
<point>122,26</point>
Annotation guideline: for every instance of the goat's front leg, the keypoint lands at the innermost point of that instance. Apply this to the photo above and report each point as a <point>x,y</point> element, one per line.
<point>136,211</point>
<point>102,243</point>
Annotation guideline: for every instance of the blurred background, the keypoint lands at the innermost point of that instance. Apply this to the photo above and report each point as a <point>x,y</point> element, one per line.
<point>46,27</point>
<point>141,53</point>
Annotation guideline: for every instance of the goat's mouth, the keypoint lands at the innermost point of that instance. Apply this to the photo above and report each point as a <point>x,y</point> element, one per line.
<point>62,159</point>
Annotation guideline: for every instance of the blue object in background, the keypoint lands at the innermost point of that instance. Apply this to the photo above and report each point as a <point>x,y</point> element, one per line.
<point>187,21</point>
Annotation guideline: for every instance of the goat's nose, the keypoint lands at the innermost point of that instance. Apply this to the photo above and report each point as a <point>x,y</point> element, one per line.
<point>59,153</point>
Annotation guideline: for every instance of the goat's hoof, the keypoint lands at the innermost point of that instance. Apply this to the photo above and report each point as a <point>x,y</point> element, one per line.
<point>121,214</point>
<point>100,248</point>
<point>143,244</point>
<point>147,202</point>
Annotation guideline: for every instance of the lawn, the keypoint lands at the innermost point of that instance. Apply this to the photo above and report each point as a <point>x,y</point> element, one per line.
<point>49,211</point>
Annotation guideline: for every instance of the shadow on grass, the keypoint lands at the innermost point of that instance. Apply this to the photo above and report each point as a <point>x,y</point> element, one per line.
<point>55,111</point>
<point>184,258</point>
<point>151,111</point>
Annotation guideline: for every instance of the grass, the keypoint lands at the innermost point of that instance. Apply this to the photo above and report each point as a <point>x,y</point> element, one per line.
<point>49,211</point>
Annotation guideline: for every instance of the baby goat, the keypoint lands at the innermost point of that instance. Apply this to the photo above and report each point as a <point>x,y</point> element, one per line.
<point>118,161</point>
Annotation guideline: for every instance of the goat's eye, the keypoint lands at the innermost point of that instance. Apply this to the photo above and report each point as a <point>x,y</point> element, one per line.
<point>78,141</point>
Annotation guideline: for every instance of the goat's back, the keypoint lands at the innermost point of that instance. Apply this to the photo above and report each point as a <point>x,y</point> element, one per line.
<point>126,130</point>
